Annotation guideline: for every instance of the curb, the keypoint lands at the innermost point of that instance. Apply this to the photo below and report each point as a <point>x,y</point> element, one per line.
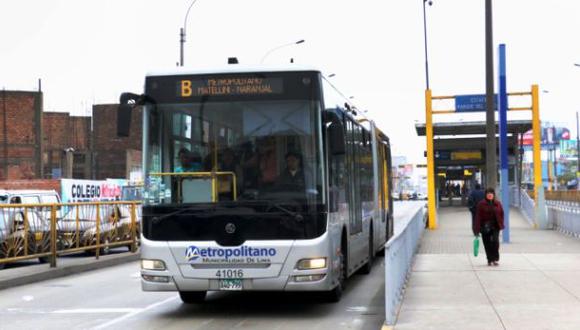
<point>37,273</point>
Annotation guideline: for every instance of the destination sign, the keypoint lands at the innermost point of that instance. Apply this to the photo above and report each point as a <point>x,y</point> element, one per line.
<point>224,86</point>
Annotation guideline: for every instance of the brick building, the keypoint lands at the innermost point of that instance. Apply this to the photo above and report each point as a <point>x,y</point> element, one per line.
<point>20,135</point>
<point>49,145</point>
<point>115,157</point>
<point>66,134</point>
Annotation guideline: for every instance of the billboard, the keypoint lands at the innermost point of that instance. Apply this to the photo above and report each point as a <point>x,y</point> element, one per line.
<point>550,137</point>
<point>568,149</point>
<point>76,190</point>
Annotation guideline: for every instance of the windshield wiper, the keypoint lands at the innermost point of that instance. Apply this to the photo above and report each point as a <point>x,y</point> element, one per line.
<point>164,216</point>
<point>273,204</point>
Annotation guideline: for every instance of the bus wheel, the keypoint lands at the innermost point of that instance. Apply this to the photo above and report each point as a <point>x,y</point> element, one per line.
<point>192,297</point>
<point>366,269</point>
<point>335,294</point>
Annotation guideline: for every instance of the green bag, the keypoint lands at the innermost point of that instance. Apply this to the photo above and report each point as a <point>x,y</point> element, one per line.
<point>476,246</point>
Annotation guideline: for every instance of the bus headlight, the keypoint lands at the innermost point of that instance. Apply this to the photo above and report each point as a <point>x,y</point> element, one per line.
<point>315,263</point>
<point>152,264</point>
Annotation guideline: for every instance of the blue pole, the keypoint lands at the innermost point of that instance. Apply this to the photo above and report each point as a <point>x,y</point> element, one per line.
<point>503,143</point>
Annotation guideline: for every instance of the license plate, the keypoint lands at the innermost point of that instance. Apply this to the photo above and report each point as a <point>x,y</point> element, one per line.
<point>231,284</point>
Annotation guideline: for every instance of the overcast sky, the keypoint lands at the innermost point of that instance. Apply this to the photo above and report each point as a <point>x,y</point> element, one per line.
<point>89,51</point>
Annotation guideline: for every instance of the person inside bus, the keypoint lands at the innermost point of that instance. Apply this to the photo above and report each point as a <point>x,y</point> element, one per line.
<point>189,161</point>
<point>228,163</point>
<point>293,175</point>
<point>264,162</point>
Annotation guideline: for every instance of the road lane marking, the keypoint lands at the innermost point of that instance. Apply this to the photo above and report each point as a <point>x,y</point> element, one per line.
<point>124,317</point>
<point>361,309</point>
<point>97,310</point>
<point>28,298</point>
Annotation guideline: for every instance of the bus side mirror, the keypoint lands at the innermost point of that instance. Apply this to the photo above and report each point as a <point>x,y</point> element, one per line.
<point>127,102</point>
<point>124,120</point>
<point>336,139</point>
<point>335,133</point>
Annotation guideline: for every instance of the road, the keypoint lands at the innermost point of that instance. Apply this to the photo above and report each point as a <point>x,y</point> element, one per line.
<point>111,298</point>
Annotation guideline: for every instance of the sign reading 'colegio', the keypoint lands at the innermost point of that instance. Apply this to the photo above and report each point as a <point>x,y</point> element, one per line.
<point>73,190</point>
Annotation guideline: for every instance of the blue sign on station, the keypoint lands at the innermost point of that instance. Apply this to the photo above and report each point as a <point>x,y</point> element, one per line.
<point>472,103</point>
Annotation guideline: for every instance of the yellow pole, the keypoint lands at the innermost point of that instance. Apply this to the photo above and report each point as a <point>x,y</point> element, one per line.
<point>98,250</point>
<point>430,160</point>
<point>53,236</point>
<point>133,229</point>
<point>537,140</point>
<point>540,207</point>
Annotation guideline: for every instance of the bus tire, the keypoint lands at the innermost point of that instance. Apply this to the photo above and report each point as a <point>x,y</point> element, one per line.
<point>335,294</point>
<point>192,297</point>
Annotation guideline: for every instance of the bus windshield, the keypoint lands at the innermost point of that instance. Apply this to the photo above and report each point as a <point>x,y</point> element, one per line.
<point>233,151</point>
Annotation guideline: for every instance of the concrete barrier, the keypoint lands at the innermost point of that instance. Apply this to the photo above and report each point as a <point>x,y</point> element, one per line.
<point>399,253</point>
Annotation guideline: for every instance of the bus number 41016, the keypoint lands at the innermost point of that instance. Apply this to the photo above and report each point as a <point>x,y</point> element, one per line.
<point>230,273</point>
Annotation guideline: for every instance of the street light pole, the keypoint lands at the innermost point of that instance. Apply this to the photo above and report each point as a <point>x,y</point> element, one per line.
<point>425,35</point>
<point>490,154</point>
<point>182,34</point>
<point>281,46</point>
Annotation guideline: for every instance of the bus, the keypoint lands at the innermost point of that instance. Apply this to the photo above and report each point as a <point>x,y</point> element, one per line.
<point>257,179</point>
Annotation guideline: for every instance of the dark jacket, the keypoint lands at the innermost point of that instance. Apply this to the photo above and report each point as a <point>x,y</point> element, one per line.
<point>487,212</point>
<point>286,178</point>
<point>475,197</point>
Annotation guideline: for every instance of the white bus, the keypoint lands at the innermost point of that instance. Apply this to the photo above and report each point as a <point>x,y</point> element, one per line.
<point>257,179</point>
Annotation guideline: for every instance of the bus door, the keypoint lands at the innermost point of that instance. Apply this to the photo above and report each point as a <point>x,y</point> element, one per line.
<point>356,241</point>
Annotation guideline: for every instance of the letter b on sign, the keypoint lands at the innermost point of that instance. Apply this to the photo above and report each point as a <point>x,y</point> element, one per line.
<point>186,88</point>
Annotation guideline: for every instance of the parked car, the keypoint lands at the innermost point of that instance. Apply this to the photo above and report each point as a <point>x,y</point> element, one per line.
<point>396,196</point>
<point>26,230</point>
<point>78,227</point>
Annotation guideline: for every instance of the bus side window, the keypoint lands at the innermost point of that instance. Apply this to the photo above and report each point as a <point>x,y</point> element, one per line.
<point>16,200</point>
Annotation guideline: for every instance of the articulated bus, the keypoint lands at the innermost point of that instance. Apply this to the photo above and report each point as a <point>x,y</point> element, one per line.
<point>257,179</point>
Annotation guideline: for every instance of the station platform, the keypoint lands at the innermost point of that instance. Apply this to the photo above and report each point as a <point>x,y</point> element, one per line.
<point>535,286</point>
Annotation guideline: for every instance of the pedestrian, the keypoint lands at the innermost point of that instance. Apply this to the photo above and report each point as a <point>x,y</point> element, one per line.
<point>488,222</point>
<point>474,198</point>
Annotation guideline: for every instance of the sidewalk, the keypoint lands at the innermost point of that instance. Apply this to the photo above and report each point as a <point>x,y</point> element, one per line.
<point>27,272</point>
<point>536,285</point>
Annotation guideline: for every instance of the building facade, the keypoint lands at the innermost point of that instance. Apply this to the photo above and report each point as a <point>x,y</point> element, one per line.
<point>50,145</point>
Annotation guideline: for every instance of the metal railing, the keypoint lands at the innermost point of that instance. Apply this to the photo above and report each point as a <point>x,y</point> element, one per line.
<point>399,252</point>
<point>527,206</point>
<point>564,216</point>
<point>45,231</point>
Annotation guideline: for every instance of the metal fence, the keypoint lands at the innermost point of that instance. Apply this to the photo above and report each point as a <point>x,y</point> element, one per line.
<point>45,231</point>
<point>564,217</point>
<point>399,252</point>
<point>527,206</point>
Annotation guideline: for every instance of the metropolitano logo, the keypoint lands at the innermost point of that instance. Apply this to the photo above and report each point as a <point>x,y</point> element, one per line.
<point>192,253</point>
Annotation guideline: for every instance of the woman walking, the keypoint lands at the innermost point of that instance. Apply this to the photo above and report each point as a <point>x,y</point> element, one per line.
<point>488,222</point>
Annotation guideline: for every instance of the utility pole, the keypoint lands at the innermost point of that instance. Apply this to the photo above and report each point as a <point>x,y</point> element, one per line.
<point>182,34</point>
<point>490,145</point>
